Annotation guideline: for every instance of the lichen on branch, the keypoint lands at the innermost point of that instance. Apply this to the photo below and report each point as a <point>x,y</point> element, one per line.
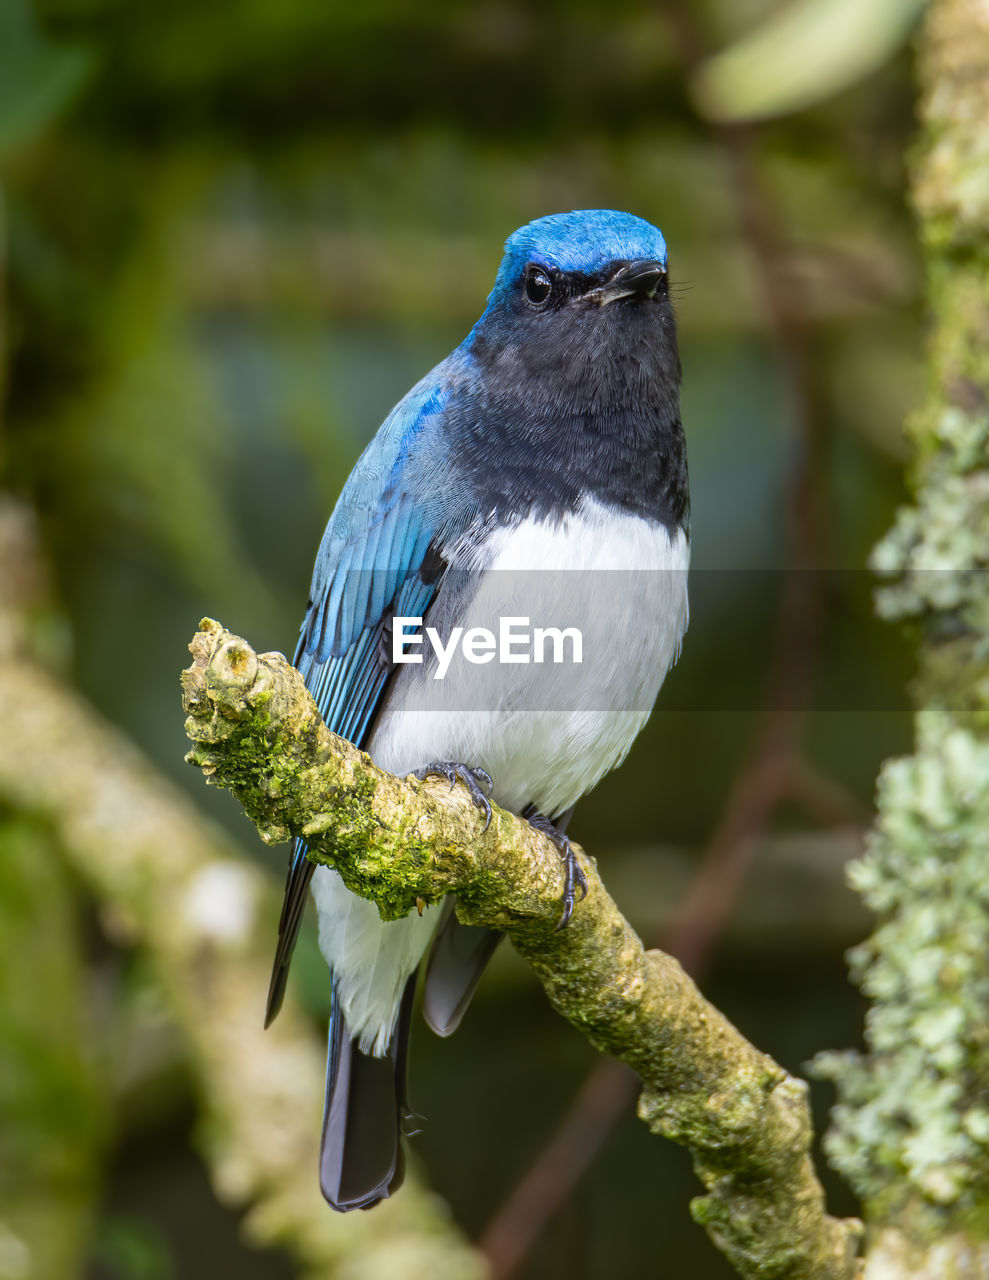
<point>397,842</point>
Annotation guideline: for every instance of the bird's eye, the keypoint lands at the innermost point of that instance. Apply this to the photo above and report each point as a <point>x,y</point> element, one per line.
<point>538,285</point>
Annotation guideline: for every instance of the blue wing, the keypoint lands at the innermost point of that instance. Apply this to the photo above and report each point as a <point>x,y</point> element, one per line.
<point>367,570</point>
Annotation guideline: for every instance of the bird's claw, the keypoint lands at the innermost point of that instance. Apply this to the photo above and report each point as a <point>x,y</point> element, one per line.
<point>573,876</point>
<point>471,777</point>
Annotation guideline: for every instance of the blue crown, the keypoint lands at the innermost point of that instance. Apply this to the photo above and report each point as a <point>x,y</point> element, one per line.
<point>585,240</point>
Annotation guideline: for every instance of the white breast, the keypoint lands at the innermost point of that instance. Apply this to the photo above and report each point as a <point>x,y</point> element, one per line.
<point>546,732</point>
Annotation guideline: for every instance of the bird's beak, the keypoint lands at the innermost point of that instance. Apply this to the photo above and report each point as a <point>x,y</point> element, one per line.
<point>641,277</point>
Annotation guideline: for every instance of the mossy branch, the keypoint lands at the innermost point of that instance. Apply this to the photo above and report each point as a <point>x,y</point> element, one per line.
<point>398,842</point>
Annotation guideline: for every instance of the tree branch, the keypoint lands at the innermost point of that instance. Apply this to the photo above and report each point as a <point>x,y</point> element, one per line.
<point>745,1120</point>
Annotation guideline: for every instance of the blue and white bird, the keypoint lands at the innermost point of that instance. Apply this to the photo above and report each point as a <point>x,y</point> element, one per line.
<point>550,441</point>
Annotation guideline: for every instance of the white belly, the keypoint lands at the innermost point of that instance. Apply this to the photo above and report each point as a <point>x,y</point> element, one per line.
<point>545,731</point>
<point>548,731</point>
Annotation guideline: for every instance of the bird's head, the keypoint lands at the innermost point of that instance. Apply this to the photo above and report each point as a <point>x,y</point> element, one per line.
<point>576,288</point>
<point>583,260</point>
<point>573,370</point>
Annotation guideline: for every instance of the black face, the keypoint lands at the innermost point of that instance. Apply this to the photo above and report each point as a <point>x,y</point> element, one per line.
<point>577,391</point>
<point>576,341</point>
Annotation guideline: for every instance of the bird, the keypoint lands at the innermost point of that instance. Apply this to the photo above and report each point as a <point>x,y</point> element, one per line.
<point>538,473</point>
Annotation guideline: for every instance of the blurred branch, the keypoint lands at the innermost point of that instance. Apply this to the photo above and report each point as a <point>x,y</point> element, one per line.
<point>53,1094</point>
<point>825,799</point>
<point>606,1093</point>
<point>911,1130</point>
<point>168,882</point>
<point>258,732</point>
<point>53,1101</point>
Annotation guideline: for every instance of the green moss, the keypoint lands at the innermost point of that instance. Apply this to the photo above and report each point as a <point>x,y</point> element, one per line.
<point>354,844</point>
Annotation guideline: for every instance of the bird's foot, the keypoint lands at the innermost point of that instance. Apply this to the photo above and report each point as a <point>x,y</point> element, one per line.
<point>473,779</point>
<point>573,877</point>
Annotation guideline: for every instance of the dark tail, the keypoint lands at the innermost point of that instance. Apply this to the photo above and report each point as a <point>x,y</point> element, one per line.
<point>458,957</point>
<point>360,1154</point>
<point>300,872</point>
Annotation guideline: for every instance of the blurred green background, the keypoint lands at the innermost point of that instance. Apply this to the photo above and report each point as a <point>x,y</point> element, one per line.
<point>233,235</point>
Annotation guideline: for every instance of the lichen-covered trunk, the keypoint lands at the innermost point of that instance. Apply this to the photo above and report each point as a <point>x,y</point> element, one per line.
<point>911,1131</point>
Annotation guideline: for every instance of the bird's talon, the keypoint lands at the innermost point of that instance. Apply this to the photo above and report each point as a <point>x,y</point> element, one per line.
<point>466,774</point>
<point>564,919</point>
<point>573,875</point>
